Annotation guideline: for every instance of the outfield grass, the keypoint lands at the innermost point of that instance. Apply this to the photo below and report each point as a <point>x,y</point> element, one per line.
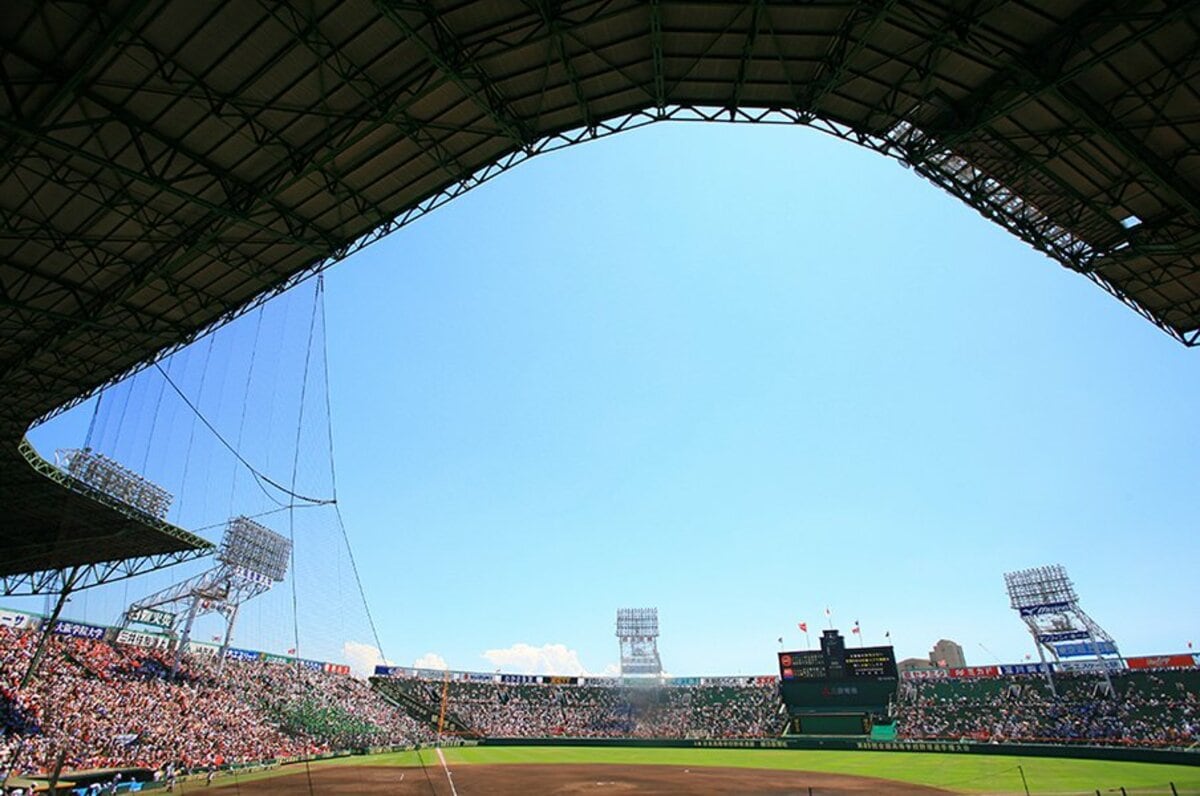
<point>957,772</point>
<point>967,773</point>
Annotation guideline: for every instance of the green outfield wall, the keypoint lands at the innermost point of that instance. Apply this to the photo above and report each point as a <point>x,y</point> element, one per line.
<point>1080,751</point>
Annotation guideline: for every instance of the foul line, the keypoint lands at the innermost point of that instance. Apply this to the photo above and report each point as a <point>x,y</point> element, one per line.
<point>446,768</point>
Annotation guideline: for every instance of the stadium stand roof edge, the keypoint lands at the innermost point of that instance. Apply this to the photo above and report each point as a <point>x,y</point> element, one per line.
<point>168,165</point>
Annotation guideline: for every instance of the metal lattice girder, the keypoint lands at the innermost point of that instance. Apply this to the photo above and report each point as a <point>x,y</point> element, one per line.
<point>54,521</point>
<point>168,165</point>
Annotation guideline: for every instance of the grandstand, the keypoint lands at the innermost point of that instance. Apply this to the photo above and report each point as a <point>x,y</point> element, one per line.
<point>169,167</point>
<point>107,700</point>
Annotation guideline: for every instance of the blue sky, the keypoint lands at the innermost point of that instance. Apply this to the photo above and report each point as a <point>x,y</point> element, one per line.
<point>742,373</point>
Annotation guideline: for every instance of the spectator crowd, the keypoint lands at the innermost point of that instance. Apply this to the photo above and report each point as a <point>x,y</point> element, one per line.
<point>94,704</point>
<point>1159,708</point>
<point>101,705</point>
<point>491,709</point>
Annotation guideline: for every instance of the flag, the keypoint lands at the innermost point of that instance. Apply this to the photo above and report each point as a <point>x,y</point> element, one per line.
<point>781,639</point>
<point>1028,656</point>
<point>942,663</point>
<point>804,627</point>
<point>292,651</point>
<point>827,611</point>
<point>887,634</point>
<point>856,628</point>
<point>216,638</point>
<point>1189,645</point>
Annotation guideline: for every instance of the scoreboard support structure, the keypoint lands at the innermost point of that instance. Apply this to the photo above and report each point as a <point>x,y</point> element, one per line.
<point>838,691</point>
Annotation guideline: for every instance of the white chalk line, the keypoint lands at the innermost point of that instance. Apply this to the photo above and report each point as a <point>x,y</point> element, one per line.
<point>446,768</point>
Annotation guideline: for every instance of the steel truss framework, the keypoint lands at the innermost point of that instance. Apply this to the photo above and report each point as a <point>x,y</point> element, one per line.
<point>121,534</point>
<point>1046,601</point>
<point>251,559</point>
<point>167,166</point>
<point>637,634</point>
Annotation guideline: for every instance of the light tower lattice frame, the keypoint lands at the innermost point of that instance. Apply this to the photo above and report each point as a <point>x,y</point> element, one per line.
<point>251,559</point>
<point>1046,600</point>
<point>637,631</point>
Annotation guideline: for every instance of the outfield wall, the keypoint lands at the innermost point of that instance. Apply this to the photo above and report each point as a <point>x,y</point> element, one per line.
<point>1122,753</point>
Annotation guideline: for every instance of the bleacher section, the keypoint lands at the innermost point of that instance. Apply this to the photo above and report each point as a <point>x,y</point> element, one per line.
<point>1146,708</point>
<point>110,705</point>
<point>589,709</point>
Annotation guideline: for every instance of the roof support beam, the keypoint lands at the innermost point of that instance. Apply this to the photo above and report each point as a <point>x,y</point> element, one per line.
<point>843,52</point>
<point>448,57</point>
<point>1017,82</point>
<point>656,55</point>
<point>309,34</point>
<point>757,11</point>
<point>1104,125</point>
<point>549,12</point>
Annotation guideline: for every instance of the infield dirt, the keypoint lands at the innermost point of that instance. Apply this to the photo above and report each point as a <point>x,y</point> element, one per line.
<point>531,780</point>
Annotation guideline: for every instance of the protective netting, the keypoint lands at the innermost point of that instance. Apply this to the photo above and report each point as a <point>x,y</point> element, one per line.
<point>238,425</point>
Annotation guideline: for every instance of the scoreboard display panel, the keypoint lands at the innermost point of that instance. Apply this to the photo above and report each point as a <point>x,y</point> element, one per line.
<point>806,665</point>
<point>852,664</point>
<point>870,662</point>
<point>836,679</point>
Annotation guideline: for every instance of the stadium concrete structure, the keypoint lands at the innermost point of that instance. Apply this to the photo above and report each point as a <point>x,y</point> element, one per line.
<point>169,166</point>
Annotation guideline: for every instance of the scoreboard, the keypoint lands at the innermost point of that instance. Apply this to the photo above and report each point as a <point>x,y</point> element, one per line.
<point>871,662</point>
<point>807,665</point>
<point>834,679</point>
<point>853,664</point>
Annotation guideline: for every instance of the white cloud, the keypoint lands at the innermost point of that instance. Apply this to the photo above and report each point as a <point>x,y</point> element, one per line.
<point>523,658</point>
<point>362,658</point>
<point>430,660</point>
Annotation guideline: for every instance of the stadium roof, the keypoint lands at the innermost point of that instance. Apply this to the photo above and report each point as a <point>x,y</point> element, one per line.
<point>167,165</point>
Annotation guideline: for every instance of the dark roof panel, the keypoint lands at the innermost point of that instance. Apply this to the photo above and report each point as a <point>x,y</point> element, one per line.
<point>167,165</point>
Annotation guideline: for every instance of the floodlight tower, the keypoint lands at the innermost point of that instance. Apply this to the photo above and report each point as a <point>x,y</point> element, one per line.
<point>637,629</point>
<point>1046,601</point>
<point>251,559</point>
<point>115,480</point>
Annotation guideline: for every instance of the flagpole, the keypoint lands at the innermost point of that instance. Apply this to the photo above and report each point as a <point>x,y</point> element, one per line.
<point>807,642</point>
<point>829,617</point>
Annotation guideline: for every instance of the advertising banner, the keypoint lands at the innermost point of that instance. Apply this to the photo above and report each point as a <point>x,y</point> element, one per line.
<point>557,680</point>
<point>1089,665</point>
<point>152,616</point>
<point>17,620</point>
<point>380,670</point>
<point>925,674</point>
<point>1162,662</point>
<point>146,640</point>
<point>235,654</point>
<point>79,630</point>
<point>976,671</point>
<point>518,679</point>
<point>479,677</point>
<point>316,667</point>
<point>1063,635</point>
<point>1045,608</point>
<point>601,681</point>
<point>1025,668</point>
<point>277,659</point>
<point>1086,648</point>
<point>766,679</point>
<point>205,650</point>
<point>683,681</point>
